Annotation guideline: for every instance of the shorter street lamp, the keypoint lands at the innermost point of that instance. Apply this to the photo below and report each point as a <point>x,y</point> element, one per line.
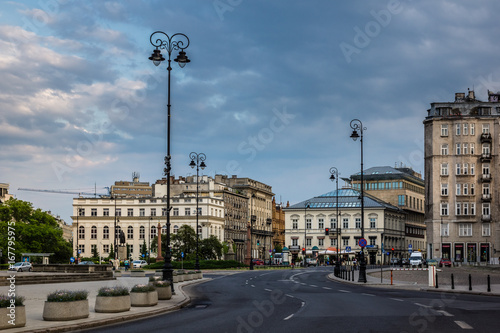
<point>335,176</point>
<point>200,163</point>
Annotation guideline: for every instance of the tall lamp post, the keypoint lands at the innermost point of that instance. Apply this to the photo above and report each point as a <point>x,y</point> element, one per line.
<point>253,218</point>
<point>307,204</point>
<point>116,233</point>
<point>77,235</point>
<point>172,43</point>
<point>200,163</point>
<point>149,240</point>
<point>335,176</point>
<point>356,126</point>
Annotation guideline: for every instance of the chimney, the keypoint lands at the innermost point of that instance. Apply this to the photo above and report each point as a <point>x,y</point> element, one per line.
<point>459,97</point>
<point>471,94</point>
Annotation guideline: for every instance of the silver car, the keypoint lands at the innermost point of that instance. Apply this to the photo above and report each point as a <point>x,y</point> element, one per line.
<point>139,263</point>
<point>21,267</point>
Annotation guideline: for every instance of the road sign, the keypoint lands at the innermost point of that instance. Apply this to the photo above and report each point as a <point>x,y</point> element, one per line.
<point>143,255</point>
<point>362,242</point>
<point>347,249</point>
<point>79,251</point>
<point>410,249</point>
<point>182,254</point>
<point>72,259</point>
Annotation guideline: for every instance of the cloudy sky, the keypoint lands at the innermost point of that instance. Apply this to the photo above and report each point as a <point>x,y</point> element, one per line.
<point>269,94</point>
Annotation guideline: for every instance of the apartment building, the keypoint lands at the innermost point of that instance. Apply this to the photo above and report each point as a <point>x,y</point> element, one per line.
<point>461,175</point>
<point>278,225</point>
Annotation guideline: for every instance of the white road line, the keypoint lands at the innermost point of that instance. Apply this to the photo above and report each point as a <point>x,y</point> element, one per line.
<point>367,294</point>
<point>302,305</point>
<point>422,305</point>
<point>463,325</point>
<point>444,313</point>
<point>290,316</point>
<point>302,283</point>
<point>253,286</point>
<point>327,288</point>
<point>267,289</point>
<point>288,295</point>
<point>396,299</point>
<point>313,285</point>
<point>344,291</point>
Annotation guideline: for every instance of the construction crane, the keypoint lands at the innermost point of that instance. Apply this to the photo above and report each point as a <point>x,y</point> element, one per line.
<point>65,192</point>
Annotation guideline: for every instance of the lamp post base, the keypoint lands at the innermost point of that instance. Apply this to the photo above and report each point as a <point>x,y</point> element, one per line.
<point>362,268</point>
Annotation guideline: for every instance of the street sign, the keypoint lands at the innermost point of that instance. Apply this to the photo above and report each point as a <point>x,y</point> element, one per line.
<point>79,251</point>
<point>387,253</point>
<point>143,255</point>
<point>347,249</point>
<point>362,242</point>
<point>410,248</point>
<point>72,259</point>
<point>182,254</point>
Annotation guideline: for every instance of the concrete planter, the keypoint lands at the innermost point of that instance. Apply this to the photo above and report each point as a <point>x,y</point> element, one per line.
<point>137,273</point>
<point>164,293</point>
<point>175,278</point>
<point>17,316</point>
<point>180,277</point>
<point>117,273</point>
<point>63,311</point>
<point>199,275</point>
<point>149,298</point>
<point>188,277</point>
<point>112,304</point>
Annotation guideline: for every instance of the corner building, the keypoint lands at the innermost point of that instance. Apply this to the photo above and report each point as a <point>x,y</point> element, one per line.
<point>461,179</point>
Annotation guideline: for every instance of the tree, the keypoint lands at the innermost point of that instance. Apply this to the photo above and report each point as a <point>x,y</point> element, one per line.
<point>111,253</point>
<point>32,230</point>
<point>210,248</point>
<point>95,253</point>
<point>184,241</point>
<point>278,248</point>
<point>144,249</point>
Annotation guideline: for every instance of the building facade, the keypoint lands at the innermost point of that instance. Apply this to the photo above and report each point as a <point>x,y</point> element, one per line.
<point>461,174</point>
<point>404,188</point>
<point>278,225</point>
<point>305,225</point>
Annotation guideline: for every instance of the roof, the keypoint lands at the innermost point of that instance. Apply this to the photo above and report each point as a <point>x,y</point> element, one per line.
<point>347,198</point>
<point>388,173</point>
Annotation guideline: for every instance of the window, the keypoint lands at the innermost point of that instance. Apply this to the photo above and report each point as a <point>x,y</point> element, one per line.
<point>465,229</point>
<point>153,232</point>
<point>444,208</point>
<point>308,242</point>
<point>466,129</point>
<point>321,242</point>
<point>142,232</point>
<point>458,208</point>
<point>333,242</point>
<point>345,241</point>
<point>465,168</point>
<point>444,189</point>
<point>401,200</point>
<point>295,224</point>
<point>444,130</point>
<point>459,167</point>
<point>458,148</point>
<point>465,148</point>
<point>130,212</point>
<point>105,232</point>
<point>472,129</point>
<point>199,211</point>
<point>163,211</point>
<point>466,189</point>
<point>187,211</point>
<point>93,232</point>
<point>472,208</point>
<point>486,189</point>
<point>118,212</point>
<point>81,211</point>
<point>142,212</point>
<point>472,146</point>
<point>486,169</point>
<point>308,223</point>
<point>486,229</point>
<point>153,211</point>
<point>459,189</point>
<point>81,232</point>
<point>471,189</point>
<point>472,166</point>
<point>373,241</point>
<point>457,127</point>
<point>486,209</point>
<point>444,149</point>
<point>176,229</point>
<point>176,211</point>
<point>105,212</point>
<point>445,229</point>
<point>130,232</point>
<point>465,206</point>
<point>486,149</point>
<point>345,223</point>
<point>295,242</point>
<point>333,223</point>
<point>373,222</point>
<point>358,222</point>
<point>486,129</point>
<point>81,248</point>
<point>444,169</point>
<point>131,248</point>
<point>321,223</point>
<point>105,248</point>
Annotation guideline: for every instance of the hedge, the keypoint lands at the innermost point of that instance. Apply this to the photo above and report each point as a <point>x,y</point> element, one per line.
<point>204,264</point>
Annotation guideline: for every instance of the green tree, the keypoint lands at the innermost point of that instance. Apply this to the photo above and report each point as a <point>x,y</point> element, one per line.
<point>210,248</point>
<point>111,253</point>
<point>32,230</point>
<point>144,249</point>
<point>278,248</point>
<point>184,241</point>
<point>95,253</point>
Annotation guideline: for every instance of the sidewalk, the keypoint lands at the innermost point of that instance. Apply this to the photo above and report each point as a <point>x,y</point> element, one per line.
<point>36,294</point>
<point>417,282</point>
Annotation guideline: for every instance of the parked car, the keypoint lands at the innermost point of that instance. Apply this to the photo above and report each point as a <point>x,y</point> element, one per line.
<point>395,261</point>
<point>405,262</point>
<point>431,262</point>
<point>21,267</point>
<point>86,263</point>
<point>311,262</point>
<point>258,262</point>
<point>139,263</point>
<point>445,262</point>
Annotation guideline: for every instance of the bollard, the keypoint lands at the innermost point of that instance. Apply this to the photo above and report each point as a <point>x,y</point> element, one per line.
<point>470,282</point>
<point>452,282</point>
<point>352,276</point>
<point>489,285</point>
<point>437,281</point>
<point>391,277</point>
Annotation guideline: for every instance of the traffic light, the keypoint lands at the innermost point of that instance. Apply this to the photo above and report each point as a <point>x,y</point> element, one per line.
<point>303,250</point>
<point>258,242</point>
<point>392,249</point>
<point>327,231</point>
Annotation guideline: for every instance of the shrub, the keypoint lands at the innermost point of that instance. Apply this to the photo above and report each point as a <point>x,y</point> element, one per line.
<point>137,270</point>
<point>67,295</point>
<point>113,291</point>
<point>142,288</point>
<point>161,284</point>
<point>5,301</point>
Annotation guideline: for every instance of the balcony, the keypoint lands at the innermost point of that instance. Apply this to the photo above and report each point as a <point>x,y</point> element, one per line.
<point>485,137</point>
<point>486,218</point>
<point>485,157</point>
<point>486,197</point>
<point>486,177</point>
<point>269,221</point>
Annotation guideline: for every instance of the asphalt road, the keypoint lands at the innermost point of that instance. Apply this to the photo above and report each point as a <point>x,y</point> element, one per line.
<point>306,301</point>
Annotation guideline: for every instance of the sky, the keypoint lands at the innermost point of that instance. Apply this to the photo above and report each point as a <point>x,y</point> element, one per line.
<point>269,93</point>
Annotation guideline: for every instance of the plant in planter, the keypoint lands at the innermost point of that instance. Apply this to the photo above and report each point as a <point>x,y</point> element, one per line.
<point>12,312</point>
<point>66,305</point>
<point>163,289</point>
<point>143,295</point>
<point>112,299</point>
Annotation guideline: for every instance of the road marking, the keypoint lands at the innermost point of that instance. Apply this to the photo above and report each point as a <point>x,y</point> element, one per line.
<point>367,294</point>
<point>422,305</point>
<point>396,299</point>
<point>302,283</point>
<point>288,295</point>
<point>302,305</point>
<point>267,289</point>
<point>313,285</point>
<point>447,314</point>
<point>327,288</point>
<point>463,325</point>
<point>253,286</point>
<point>344,291</point>
<point>290,316</point>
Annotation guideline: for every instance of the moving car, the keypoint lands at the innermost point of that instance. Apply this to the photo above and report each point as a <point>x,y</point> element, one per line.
<point>258,262</point>
<point>311,262</point>
<point>445,262</point>
<point>139,263</point>
<point>416,259</point>
<point>86,263</point>
<point>21,267</point>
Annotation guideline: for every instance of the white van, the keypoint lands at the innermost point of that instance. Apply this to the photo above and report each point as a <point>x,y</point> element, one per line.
<point>416,259</point>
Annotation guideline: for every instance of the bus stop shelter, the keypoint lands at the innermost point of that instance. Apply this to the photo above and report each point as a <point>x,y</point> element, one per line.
<point>29,257</point>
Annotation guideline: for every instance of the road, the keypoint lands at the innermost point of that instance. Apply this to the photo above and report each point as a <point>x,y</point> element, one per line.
<point>307,301</point>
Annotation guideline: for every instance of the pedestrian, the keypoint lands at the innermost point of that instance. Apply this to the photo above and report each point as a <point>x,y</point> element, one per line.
<point>126,265</point>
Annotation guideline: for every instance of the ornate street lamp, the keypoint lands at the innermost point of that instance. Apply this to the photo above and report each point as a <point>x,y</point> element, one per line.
<point>200,163</point>
<point>356,126</point>
<point>253,218</point>
<point>335,176</point>
<point>172,43</point>
<point>307,204</point>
